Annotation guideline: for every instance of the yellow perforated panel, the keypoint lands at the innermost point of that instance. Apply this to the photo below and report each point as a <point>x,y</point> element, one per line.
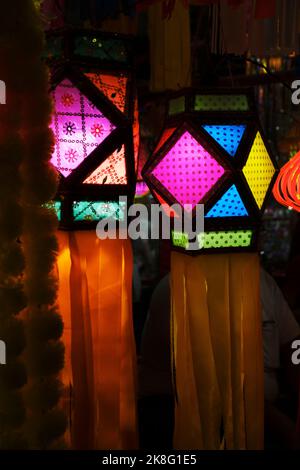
<point>259,170</point>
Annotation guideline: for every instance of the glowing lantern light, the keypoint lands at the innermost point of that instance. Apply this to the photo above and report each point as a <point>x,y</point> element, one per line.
<point>213,152</point>
<point>95,122</point>
<point>141,189</point>
<point>78,127</point>
<point>96,130</point>
<point>177,171</point>
<point>287,188</point>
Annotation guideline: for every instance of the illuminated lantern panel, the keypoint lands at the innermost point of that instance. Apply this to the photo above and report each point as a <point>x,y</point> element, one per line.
<point>188,171</point>
<point>113,87</point>
<point>79,127</point>
<point>141,189</point>
<point>229,205</point>
<point>259,170</point>
<point>136,135</point>
<point>221,103</point>
<point>287,186</point>
<point>227,136</point>
<point>111,171</point>
<point>98,210</point>
<point>220,239</point>
<point>55,206</point>
<point>226,239</point>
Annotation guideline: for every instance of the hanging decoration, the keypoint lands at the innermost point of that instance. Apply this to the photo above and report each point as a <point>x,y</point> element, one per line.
<point>95,124</point>
<point>93,110</point>
<point>212,151</point>
<point>286,189</point>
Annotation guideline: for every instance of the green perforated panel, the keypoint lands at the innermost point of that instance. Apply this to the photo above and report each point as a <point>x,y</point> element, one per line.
<point>217,240</point>
<point>221,103</point>
<point>95,211</point>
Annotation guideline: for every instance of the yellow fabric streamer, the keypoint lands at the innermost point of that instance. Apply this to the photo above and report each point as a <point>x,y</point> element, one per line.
<point>218,352</point>
<point>95,302</point>
<point>170,48</point>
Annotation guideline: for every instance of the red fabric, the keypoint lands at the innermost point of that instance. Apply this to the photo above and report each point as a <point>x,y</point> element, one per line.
<point>265,9</point>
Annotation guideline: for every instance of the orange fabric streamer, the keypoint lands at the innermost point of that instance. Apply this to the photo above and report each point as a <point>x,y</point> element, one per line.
<point>218,351</point>
<point>95,278</point>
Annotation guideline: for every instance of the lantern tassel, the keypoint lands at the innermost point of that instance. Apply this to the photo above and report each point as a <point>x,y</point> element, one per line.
<point>95,302</point>
<point>218,352</point>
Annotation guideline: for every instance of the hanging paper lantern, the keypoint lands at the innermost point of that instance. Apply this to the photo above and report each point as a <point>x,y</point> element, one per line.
<point>95,125</point>
<point>96,145</point>
<point>213,152</point>
<point>287,188</point>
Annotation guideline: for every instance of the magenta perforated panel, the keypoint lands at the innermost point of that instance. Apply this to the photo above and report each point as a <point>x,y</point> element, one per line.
<point>188,171</point>
<point>79,127</point>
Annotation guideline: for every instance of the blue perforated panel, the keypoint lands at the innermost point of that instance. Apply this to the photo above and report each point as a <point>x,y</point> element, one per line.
<point>228,136</point>
<point>229,205</point>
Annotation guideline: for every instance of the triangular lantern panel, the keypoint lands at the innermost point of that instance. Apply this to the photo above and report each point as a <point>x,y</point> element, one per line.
<point>78,126</point>
<point>113,87</point>
<point>229,205</point>
<point>111,171</point>
<point>227,136</point>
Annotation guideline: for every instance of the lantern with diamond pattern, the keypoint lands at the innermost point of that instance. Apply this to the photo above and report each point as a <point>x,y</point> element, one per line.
<point>213,152</point>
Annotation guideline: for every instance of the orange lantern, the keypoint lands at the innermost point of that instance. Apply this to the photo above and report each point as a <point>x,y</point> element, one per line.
<point>95,125</point>
<point>287,188</point>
